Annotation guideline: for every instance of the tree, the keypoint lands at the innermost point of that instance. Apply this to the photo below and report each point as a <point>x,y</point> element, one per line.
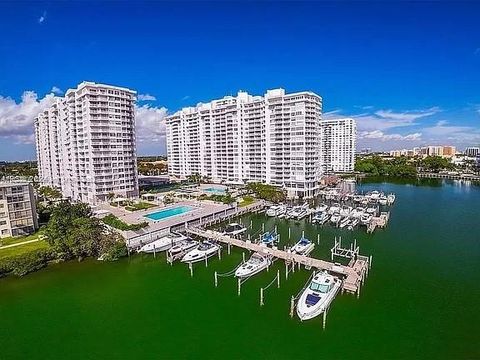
<point>436,163</point>
<point>49,193</point>
<point>194,178</point>
<point>267,192</point>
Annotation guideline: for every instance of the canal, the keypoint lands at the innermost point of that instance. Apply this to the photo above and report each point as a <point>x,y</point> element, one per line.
<point>421,299</point>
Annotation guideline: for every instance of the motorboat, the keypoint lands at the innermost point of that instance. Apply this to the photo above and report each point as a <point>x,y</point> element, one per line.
<point>303,246</point>
<point>320,218</point>
<point>345,211</point>
<point>371,210</point>
<point>335,208</point>
<point>162,244</point>
<point>233,229</point>
<point>204,250</point>
<point>321,208</point>
<point>254,265</point>
<point>344,222</point>
<point>357,198</point>
<point>299,212</point>
<point>317,297</point>
<point>374,195</point>
<point>382,200</point>
<point>366,218</point>
<point>335,219</point>
<point>182,247</point>
<point>357,212</point>
<point>274,210</point>
<point>269,238</point>
<point>391,199</point>
<point>352,223</point>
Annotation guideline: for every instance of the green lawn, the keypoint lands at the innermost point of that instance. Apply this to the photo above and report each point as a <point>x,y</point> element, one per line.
<point>19,239</point>
<point>140,206</point>
<point>22,249</point>
<point>247,200</point>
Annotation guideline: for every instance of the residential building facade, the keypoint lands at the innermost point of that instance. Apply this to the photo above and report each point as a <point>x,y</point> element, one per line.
<point>338,144</point>
<point>18,215</point>
<point>472,151</point>
<point>274,139</point>
<point>86,143</point>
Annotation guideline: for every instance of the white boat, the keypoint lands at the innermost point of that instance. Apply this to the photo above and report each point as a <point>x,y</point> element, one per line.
<point>352,223</point>
<point>317,297</point>
<point>357,212</point>
<point>374,195</point>
<point>206,249</point>
<point>322,208</point>
<point>345,211</point>
<point>366,218</point>
<point>344,222</point>
<point>303,246</point>
<point>182,247</point>
<point>382,200</point>
<point>371,210</point>
<point>254,265</point>
<point>162,244</point>
<point>234,229</point>
<point>391,199</point>
<point>299,212</point>
<point>273,210</point>
<point>335,208</point>
<point>335,219</point>
<point>357,198</point>
<point>269,238</point>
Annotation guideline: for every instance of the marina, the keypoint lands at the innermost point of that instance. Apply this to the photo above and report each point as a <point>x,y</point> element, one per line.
<point>400,309</point>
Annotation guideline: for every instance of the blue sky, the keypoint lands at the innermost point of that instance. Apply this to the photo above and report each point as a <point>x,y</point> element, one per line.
<point>409,72</point>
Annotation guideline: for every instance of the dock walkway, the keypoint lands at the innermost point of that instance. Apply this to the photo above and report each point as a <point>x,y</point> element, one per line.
<point>353,275</point>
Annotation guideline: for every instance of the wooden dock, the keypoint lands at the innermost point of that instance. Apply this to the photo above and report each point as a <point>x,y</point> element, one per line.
<point>353,275</point>
<point>378,221</point>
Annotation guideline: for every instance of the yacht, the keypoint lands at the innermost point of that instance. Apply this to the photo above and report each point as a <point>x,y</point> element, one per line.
<point>391,199</point>
<point>206,249</point>
<point>162,244</point>
<point>335,219</point>
<point>269,238</point>
<point>322,208</point>
<point>352,223</point>
<point>374,195</point>
<point>316,298</point>
<point>299,212</point>
<point>366,218</point>
<point>358,198</point>
<point>371,210</point>
<point>234,229</point>
<point>273,210</point>
<point>182,247</point>
<point>382,200</point>
<point>303,246</point>
<point>345,211</point>
<point>254,265</point>
<point>344,222</point>
<point>357,212</point>
<point>335,208</point>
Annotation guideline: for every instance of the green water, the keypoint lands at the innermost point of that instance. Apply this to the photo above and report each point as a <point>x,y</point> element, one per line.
<point>421,299</point>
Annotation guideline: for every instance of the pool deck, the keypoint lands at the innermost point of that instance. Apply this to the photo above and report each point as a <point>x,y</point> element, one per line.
<point>157,228</point>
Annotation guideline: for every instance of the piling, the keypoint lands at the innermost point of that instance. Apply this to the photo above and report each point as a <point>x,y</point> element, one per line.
<point>228,247</point>
<point>219,254</point>
<point>263,227</point>
<point>292,306</point>
<point>286,271</point>
<point>289,233</point>
<point>278,279</point>
<point>154,251</point>
<point>318,239</point>
<point>206,260</point>
<point>191,269</point>
<point>215,276</point>
<point>243,256</point>
<point>324,318</point>
<point>239,285</point>
<point>261,297</point>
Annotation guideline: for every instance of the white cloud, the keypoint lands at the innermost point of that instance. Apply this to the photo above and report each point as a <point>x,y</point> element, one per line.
<point>406,116</point>
<point>186,97</point>
<point>331,114</point>
<point>146,97</point>
<point>42,18</point>
<point>56,90</point>
<point>380,135</point>
<point>16,119</point>
<point>150,123</point>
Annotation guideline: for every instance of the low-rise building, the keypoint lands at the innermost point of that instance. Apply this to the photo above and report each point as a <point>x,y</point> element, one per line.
<point>18,214</point>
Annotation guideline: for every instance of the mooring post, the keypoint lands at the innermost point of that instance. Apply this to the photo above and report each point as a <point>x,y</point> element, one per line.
<point>318,239</point>
<point>243,256</point>
<point>278,279</point>
<point>261,296</point>
<point>228,247</point>
<point>251,223</point>
<point>215,275</point>
<point>358,291</point>
<point>154,251</point>
<point>286,270</point>
<point>206,260</point>
<point>289,233</point>
<point>324,318</point>
<point>292,306</point>
<point>263,227</point>
<point>370,262</point>
<point>239,285</point>
<point>293,265</point>
<point>219,253</point>
<point>303,233</point>
<point>191,269</point>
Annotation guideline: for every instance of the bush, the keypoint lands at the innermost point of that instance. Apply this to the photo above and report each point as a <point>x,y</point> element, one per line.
<point>115,222</point>
<point>23,264</point>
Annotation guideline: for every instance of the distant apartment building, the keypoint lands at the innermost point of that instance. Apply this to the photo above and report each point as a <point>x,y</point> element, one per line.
<point>338,144</point>
<point>274,139</point>
<point>444,151</point>
<point>18,215</point>
<point>472,151</point>
<point>86,143</point>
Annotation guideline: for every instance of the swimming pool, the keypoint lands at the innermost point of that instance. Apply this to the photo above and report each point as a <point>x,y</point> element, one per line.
<point>166,213</point>
<point>215,191</point>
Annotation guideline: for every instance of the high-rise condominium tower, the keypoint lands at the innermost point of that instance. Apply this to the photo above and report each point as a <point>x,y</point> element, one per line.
<point>272,139</point>
<point>338,142</point>
<point>86,143</point>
